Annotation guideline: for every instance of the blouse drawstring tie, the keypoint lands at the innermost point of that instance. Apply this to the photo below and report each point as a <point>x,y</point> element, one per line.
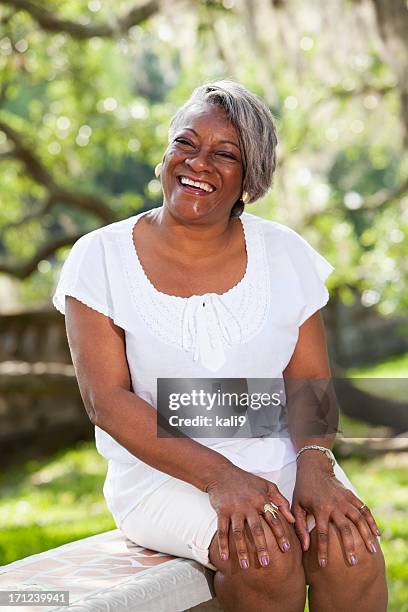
<point>208,325</point>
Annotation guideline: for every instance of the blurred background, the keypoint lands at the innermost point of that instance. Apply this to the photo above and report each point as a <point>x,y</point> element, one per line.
<point>87,89</point>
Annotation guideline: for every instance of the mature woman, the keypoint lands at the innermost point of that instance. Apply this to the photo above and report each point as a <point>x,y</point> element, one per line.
<point>198,288</point>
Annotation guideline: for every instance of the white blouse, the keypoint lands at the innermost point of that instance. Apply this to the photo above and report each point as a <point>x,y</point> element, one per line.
<point>250,331</point>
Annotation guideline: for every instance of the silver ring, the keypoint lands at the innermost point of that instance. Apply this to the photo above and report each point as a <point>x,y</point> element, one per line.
<point>272,508</point>
<point>362,507</point>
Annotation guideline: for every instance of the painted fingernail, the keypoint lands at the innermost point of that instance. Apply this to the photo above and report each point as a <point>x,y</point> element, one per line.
<point>372,547</point>
<point>224,556</point>
<point>322,562</point>
<point>286,546</point>
<point>244,563</point>
<point>264,560</point>
<point>353,559</point>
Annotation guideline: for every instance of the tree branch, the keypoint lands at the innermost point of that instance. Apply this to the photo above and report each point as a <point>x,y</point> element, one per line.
<point>39,211</point>
<point>392,22</point>
<point>365,89</point>
<point>336,92</point>
<point>3,92</point>
<point>94,204</point>
<point>36,169</point>
<point>33,165</point>
<point>379,199</point>
<point>385,196</point>
<point>49,22</point>
<point>22,270</point>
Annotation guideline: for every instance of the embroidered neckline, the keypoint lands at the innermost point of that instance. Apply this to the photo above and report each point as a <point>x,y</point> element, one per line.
<point>231,318</point>
<point>134,220</point>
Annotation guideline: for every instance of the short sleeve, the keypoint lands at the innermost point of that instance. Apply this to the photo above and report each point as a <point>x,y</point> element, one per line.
<point>84,276</point>
<point>312,270</point>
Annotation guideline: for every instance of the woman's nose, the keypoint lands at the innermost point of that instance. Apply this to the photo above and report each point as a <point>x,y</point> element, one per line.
<point>199,161</point>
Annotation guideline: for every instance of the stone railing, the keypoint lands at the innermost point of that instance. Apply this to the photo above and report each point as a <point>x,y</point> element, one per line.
<point>34,336</point>
<point>41,409</point>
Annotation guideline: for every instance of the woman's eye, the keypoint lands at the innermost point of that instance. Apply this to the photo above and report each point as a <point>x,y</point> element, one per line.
<point>183,141</point>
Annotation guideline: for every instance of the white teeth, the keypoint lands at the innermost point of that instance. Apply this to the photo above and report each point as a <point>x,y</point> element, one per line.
<point>205,186</point>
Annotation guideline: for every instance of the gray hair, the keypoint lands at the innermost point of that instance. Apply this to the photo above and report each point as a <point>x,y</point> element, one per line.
<point>255,127</point>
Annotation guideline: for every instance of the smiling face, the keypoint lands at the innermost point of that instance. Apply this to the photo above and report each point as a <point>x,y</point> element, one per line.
<point>202,169</point>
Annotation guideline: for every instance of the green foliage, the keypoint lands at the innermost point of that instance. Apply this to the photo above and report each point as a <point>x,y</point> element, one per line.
<point>95,112</point>
<point>392,367</point>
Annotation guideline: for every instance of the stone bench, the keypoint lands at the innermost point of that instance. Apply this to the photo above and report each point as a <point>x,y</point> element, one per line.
<point>110,573</point>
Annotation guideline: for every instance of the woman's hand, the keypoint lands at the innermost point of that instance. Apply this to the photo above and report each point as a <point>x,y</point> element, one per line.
<point>238,496</point>
<point>318,492</point>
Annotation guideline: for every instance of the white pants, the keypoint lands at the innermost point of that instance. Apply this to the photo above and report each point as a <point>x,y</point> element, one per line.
<point>178,519</point>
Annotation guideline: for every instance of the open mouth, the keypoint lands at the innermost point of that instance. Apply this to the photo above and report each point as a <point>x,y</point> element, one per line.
<point>195,187</point>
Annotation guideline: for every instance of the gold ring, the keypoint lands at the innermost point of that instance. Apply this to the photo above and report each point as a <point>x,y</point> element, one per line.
<point>363,506</point>
<point>272,508</point>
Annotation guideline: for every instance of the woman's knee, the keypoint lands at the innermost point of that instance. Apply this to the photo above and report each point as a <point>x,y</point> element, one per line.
<point>285,569</point>
<point>369,569</point>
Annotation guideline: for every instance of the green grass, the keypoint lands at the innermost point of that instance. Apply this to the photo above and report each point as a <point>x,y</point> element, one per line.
<point>383,482</point>
<point>391,375</point>
<point>393,367</point>
<point>52,501</point>
<point>383,485</point>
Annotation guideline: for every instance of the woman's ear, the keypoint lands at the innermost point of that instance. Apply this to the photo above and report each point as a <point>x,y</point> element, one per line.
<point>158,169</point>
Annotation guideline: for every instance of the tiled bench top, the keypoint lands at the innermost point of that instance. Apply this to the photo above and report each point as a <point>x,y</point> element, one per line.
<point>108,572</point>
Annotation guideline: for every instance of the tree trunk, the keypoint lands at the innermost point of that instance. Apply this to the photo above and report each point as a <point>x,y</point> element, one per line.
<point>370,407</point>
<point>392,20</point>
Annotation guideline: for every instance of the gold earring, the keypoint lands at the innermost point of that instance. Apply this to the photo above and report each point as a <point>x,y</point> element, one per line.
<point>245,197</point>
<point>158,169</point>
